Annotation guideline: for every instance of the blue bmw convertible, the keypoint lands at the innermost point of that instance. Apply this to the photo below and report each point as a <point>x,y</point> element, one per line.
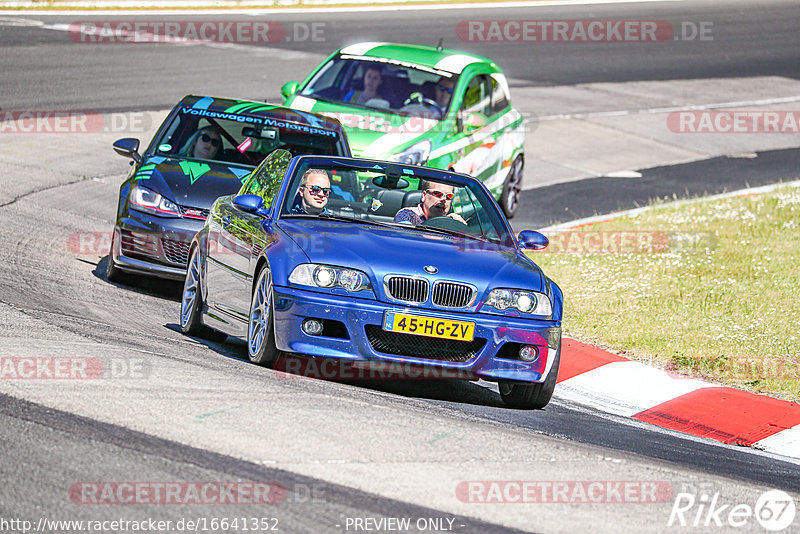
<point>370,261</point>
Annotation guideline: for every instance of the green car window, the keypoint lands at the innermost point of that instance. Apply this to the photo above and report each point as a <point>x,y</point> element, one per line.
<point>477,97</point>
<point>499,97</point>
<point>266,179</point>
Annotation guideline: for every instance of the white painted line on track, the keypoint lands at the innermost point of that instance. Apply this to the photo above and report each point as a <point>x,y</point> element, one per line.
<point>626,388</point>
<point>785,442</point>
<point>191,7</point>
<point>285,54</point>
<point>652,111</point>
<point>636,211</point>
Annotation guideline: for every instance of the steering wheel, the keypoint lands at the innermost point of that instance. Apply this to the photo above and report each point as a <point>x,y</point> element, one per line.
<point>418,98</point>
<point>446,223</point>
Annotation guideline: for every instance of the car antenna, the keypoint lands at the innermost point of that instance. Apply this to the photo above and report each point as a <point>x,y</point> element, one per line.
<point>441,42</point>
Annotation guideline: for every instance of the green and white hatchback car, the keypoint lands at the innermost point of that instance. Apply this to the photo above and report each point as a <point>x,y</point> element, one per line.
<point>422,105</point>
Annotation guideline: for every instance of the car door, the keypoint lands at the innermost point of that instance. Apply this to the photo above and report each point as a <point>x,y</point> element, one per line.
<point>236,237</point>
<point>476,156</point>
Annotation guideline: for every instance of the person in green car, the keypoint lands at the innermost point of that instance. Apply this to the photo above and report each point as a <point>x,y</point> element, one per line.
<point>444,91</point>
<point>372,80</point>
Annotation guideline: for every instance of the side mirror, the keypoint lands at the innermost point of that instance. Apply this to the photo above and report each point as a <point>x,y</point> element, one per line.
<point>253,204</point>
<point>289,89</point>
<point>475,121</point>
<point>128,147</point>
<point>532,240</point>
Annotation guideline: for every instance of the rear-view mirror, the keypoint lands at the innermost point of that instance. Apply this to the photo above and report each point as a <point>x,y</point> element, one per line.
<point>532,240</point>
<point>289,89</point>
<point>253,204</point>
<point>128,147</point>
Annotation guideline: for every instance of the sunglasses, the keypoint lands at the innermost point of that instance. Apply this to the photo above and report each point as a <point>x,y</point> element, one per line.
<point>439,194</point>
<point>208,139</point>
<point>316,190</point>
<point>446,89</point>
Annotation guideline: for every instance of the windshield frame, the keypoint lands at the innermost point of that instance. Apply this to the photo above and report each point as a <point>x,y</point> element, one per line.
<point>183,120</point>
<point>345,78</point>
<point>489,211</point>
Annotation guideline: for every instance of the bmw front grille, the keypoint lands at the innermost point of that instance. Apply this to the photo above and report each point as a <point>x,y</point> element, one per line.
<point>406,288</point>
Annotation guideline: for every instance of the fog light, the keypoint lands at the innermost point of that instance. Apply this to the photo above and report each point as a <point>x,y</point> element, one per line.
<point>528,353</point>
<point>312,327</point>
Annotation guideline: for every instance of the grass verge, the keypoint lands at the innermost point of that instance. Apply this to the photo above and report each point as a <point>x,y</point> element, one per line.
<point>707,288</point>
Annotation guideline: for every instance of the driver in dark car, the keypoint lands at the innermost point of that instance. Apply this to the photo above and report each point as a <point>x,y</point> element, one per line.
<point>205,143</point>
<point>435,202</point>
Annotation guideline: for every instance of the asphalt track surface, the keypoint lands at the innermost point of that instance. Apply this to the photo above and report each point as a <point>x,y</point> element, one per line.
<point>203,413</point>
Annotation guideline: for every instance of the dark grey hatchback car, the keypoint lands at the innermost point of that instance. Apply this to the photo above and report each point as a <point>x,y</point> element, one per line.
<point>205,148</point>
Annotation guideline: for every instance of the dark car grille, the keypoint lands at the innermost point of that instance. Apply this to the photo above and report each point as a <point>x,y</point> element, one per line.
<point>176,251</point>
<point>194,213</point>
<point>452,294</point>
<point>428,348</point>
<point>137,243</point>
<point>407,289</point>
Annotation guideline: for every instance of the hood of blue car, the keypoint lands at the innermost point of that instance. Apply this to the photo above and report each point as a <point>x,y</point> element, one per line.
<point>191,183</point>
<point>380,251</point>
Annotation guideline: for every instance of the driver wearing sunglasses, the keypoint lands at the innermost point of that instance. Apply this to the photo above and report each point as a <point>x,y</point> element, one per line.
<point>444,91</point>
<point>314,190</point>
<point>435,202</point>
<point>205,143</point>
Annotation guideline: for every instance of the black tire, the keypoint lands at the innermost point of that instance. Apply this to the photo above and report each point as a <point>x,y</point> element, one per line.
<point>192,303</point>
<point>509,199</point>
<point>114,273</point>
<point>527,396</point>
<point>261,347</point>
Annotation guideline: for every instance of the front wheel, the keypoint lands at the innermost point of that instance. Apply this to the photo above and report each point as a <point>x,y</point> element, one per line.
<point>509,199</point>
<point>192,303</point>
<point>529,396</point>
<point>114,273</point>
<point>261,347</point>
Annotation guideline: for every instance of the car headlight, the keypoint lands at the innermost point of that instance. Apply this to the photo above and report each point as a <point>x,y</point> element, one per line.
<point>416,154</point>
<point>326,276</point>
<point>148,201</point>
<point>525,301</point>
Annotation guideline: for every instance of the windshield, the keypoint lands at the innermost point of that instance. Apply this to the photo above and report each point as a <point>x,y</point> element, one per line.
<point>378,83</point>
<point>420,200</point>
<point>241,139</point>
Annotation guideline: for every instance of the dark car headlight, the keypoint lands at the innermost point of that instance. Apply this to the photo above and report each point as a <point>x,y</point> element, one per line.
<point>531,302</point>
<point>328,276</point>
<point>143,199</point>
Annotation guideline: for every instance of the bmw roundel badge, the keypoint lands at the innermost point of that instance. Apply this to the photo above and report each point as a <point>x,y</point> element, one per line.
<point>430,269</point>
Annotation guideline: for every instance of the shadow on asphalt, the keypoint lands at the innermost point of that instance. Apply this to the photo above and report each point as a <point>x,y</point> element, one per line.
<point>146,285</point>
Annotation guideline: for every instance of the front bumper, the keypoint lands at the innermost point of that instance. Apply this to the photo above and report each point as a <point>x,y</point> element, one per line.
<point>293,306</point>
<point>154,246</point>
